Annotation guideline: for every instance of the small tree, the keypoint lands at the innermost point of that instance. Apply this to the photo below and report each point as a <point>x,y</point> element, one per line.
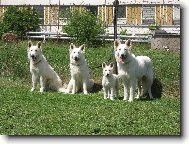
<point>83,26</point>
<point>19,21</point>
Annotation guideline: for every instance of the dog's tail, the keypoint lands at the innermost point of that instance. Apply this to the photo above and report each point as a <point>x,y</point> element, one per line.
<point>91,84</point>
<point>63,88</point>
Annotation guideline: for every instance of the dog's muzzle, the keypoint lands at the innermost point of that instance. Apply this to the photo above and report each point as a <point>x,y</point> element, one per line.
<point>122,58</point>
<point>107,75</point>
<point>33,57</point>
<point>76,58</point>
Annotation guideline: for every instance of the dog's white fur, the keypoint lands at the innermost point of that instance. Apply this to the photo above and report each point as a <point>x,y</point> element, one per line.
<point>132,69</point>
<point>79,71</point>
<point>110,82</point>
<point>39,68</point>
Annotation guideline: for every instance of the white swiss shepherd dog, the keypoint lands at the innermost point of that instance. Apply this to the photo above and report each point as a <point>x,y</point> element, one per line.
<point>133,69</point>
<point>79,71</point>
<point>39,68</point>
<point>110,82</point>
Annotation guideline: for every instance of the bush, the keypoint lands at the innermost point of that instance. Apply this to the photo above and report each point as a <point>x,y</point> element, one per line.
<point>83,26</point>
<point>19,21</point>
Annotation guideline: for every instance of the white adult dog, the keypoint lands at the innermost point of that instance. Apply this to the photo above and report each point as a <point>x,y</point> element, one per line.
<point>79,71</point>
<point>110,82</point>
<point>39,68</point>
<point>132,69</point>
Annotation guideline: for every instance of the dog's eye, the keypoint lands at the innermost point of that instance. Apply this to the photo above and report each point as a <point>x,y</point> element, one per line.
<point>78,52</point>
<point>119,49</point>
<point>36,50</point>
<point>105,70</point>
<point>74,52</point>
<point>31,50</point>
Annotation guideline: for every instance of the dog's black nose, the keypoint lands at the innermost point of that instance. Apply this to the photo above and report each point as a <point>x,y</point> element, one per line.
<point>122,55</point>
<point>32,56</point>
<point>108,74</point>
<point>76,58</point>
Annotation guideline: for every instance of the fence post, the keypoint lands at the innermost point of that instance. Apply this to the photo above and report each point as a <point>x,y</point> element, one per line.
<point>115,4</point>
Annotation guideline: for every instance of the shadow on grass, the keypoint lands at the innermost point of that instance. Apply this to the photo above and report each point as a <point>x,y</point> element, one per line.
<point>156,92</point>
<point>96,88</point>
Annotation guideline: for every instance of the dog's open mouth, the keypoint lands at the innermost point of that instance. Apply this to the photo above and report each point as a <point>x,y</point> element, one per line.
<point>33,58</point>
<point>122,58</point>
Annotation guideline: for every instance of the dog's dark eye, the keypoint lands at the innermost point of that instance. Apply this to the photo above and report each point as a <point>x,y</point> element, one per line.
<point>105,70</point>
<point>78,52</point>
<point>74,52</point>
<point>36,50</point>
<point>31,50</point>
<point>119,49</point>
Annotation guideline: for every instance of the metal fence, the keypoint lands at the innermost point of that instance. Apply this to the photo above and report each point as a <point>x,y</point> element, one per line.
<point>134,19</point>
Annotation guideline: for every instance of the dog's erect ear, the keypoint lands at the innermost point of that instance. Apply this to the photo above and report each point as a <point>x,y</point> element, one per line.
<point>29,44</point>
<point>116,44</point>
<point>82,47</point>
<point>128,43</point>
<point>103,65</point>
<point>72,46</point>
<point>111,64</point>
<point>39,44</point>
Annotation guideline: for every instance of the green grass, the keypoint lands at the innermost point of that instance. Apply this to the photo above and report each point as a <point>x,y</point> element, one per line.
<point>52,113</point>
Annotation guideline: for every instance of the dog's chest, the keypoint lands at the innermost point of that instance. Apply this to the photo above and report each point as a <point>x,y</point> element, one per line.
<point>34,69</point>
<point>107,82</point>
<point>78,71</point>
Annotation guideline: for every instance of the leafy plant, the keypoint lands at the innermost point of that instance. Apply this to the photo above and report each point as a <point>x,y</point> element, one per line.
<point>123,31</point>
<point>83,26</point>
<point>19,21</point>
<point>153,26</point>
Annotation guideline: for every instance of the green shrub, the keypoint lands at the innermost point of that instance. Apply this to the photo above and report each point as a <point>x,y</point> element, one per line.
<point>153,26</point>
<point>19,21</point>
<point>83,26</point>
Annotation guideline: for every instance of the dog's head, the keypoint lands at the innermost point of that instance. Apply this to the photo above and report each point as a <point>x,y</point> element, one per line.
<point>77,54</point>
<point>122,51</point>
<point>107,69</point>
<point>34,52</point>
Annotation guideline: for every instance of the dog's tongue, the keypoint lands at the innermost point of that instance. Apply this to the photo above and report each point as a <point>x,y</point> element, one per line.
<point>121,60</point>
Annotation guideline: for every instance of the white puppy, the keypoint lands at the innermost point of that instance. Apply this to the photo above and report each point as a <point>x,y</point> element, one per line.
<point>110,82</point>
<point>39,68</point>
<point>131,68</point>
<point>79,71</point>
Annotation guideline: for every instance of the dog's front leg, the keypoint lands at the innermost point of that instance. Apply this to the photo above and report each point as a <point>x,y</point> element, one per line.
<point>105,93</point>
<point>42,83</point>
<point>74,86</point>
<point>34,81</point>
<point>85,87</point>
<point>125,85</point>
<point>112,93</point>
<point>132,89</point>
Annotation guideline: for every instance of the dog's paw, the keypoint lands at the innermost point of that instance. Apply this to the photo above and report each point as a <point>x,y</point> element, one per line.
<point>112,98</point>
<point>85,92</point>
<point>32,89</point>
<point>130,100</point>
<point>41,90</point>
<point>137,97</point>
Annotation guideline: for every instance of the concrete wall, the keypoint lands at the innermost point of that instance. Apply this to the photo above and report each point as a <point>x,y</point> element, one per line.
<point>168,42</point>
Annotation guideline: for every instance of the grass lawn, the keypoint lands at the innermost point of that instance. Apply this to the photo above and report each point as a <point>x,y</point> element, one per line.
<point>52,113</point>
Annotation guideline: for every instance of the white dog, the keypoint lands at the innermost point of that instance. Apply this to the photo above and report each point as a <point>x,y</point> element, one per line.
<point>131,68</point>
<point>110,82</point>
<point>79,71</point>
<point>39,68</point>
